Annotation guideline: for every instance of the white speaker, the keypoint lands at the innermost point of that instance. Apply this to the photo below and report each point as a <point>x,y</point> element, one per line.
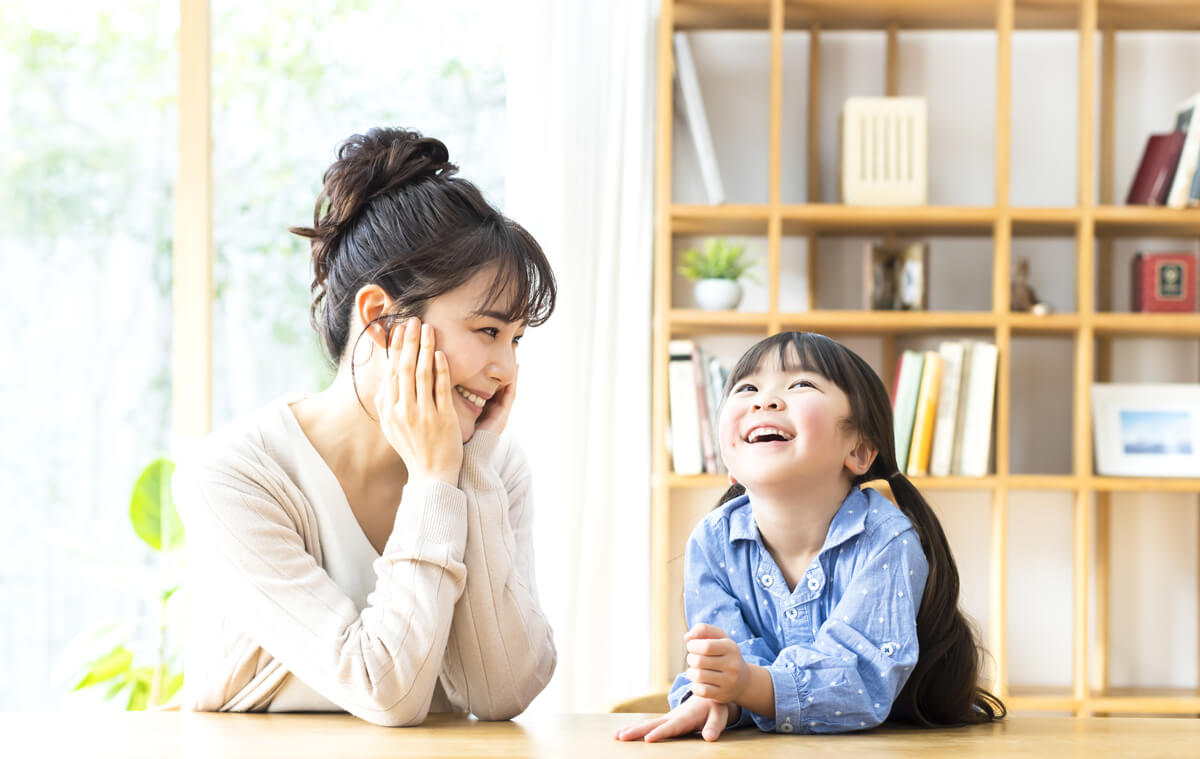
<point>884,151</point>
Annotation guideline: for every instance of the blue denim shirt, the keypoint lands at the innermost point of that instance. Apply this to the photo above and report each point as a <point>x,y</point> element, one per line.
<point>841,645</point>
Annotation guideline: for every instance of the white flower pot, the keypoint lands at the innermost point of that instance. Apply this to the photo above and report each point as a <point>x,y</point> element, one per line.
<point>718,294</point>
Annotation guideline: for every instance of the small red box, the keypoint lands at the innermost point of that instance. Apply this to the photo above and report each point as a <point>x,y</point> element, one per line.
<point>1164,282</point>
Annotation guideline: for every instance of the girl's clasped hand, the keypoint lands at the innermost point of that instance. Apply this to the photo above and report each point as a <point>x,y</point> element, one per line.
<point>719,676</point>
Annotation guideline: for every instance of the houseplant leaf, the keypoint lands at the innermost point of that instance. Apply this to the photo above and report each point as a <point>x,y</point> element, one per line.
<point>152,509</point>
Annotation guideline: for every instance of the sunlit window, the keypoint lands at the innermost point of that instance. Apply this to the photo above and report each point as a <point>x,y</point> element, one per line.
<point>87,155</point>
<point>290,81</point>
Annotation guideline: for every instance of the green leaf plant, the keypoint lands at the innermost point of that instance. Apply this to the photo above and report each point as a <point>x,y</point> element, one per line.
<point>104,655</point>
<point>719,259</point>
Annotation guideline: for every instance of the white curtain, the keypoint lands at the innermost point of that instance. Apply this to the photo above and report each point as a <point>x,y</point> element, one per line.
<point>579,158</point>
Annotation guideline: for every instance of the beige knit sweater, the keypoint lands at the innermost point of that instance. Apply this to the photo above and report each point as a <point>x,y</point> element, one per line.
<point>454,609</point>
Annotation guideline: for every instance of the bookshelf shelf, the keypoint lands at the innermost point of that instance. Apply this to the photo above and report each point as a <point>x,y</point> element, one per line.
<point>695,322</point>
<point>1091,329</point>
<point>1145,484</point>
<point>838,219</point>
<point>725,219</point>
<point>1047,222</point>
<point>1139,15</point>
<point>1147,325</point>
<point>881,322</point>
<point>1050,323</point>
<point>1145,221</point>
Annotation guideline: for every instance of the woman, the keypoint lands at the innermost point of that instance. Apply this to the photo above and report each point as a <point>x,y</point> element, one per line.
<point>368,548</point>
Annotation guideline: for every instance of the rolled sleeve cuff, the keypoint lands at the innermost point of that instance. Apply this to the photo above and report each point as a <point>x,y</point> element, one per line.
<point>790,693</point>
<point>680,692</point>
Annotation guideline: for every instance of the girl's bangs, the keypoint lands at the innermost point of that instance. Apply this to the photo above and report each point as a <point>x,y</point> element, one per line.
<point>793,351</point>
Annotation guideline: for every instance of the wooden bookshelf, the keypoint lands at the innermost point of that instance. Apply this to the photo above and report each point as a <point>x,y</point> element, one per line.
<point>1091,327</point>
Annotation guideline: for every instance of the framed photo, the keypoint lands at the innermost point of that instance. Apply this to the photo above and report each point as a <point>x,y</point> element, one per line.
<point>896,277</point>
<point>1146,430</point>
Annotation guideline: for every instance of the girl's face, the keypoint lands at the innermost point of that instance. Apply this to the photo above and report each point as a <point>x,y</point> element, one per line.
<point>480,348</point>
<point>782,425</point>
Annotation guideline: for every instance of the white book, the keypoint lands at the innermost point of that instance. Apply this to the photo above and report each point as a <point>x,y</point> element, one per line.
<point>977,414</point>
<point>943,430</point>
<point>697,118</point>
<point>716,386</point>
<point>687,456</point>
<point>1188,120</point>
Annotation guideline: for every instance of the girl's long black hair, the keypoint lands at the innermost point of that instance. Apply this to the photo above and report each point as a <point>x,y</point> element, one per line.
<point>944,686</point>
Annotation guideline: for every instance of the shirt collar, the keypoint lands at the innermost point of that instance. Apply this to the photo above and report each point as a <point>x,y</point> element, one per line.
<point>850,519</point>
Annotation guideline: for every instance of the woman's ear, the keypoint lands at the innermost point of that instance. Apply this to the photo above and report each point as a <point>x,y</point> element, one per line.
<point>370,303</point>
<point>860,458</point>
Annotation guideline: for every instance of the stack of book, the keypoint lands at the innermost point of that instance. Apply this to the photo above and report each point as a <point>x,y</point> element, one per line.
<point>1167,174</point>
<point>942,408</point>
<point>695,384</point>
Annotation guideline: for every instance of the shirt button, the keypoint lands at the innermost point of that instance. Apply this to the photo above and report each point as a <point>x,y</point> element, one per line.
<point>768,581</point>
<point>786,727</point>
<point>814,583</point>
<point>791,613</point>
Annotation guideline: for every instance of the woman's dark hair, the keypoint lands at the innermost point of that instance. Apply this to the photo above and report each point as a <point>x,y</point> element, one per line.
<point>392,212</point>
<point>943,688</point>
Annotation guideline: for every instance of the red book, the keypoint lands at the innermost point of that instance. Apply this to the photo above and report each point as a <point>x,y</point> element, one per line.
<point>1163,282</point>
<point>1153,179</point>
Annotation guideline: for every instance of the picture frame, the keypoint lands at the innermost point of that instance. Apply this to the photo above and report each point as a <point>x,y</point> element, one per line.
<point>896,276</point>
<point>1146,429</point>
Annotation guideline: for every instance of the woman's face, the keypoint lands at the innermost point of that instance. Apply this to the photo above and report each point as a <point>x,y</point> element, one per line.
<point>480,348</point>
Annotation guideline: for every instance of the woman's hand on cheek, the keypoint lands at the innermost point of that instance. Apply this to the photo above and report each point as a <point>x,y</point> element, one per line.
<point>415,403</point>
<point>496,410</point>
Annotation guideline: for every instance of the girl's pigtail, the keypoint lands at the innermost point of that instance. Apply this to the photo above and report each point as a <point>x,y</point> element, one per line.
<point>943,688</point>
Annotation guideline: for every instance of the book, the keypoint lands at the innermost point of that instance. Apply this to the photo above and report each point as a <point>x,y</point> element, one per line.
<point>942,456</point>
<point>926,414</point>
<point>1163,282</point>
<point>697,118</point>
<point>1194,195</point>
<point>686,455</point>
<point>1152,181</point>
<point>904,403</point>
<point>1189,155</point>
<point>961,412</point>
<point>716,393</point>
<point>980,394</point>
<point>704,406</point>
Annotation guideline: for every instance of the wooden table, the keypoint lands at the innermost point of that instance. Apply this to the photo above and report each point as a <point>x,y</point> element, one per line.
<point>573,736</point>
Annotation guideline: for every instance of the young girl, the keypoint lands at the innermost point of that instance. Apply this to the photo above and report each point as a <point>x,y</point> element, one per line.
<point>367,548</point>
<point>816,606</point>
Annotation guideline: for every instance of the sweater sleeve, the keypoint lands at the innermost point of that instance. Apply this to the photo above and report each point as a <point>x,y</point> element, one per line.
<point>382,664</point>
<point>501,652</point>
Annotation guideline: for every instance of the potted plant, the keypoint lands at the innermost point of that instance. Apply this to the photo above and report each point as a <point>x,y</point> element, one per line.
<point>130,658</point>
<point>715,270</point>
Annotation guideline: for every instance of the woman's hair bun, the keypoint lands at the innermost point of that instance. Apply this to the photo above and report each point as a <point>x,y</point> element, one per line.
<point>368,165</point>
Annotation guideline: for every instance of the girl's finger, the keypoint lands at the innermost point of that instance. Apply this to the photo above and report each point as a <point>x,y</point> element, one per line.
<point>713,663</point>
<point>443,392</point>
<point>669,729</point>
<point>703,646</point>
<point>703,676</point>
<point>408,362</point>
<point>702,630</point>
<point>424,371</point>
<point>714,724</point>
<point>634,732</point>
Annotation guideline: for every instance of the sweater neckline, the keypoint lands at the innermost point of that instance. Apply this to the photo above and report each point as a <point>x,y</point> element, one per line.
<point>311,461</point>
